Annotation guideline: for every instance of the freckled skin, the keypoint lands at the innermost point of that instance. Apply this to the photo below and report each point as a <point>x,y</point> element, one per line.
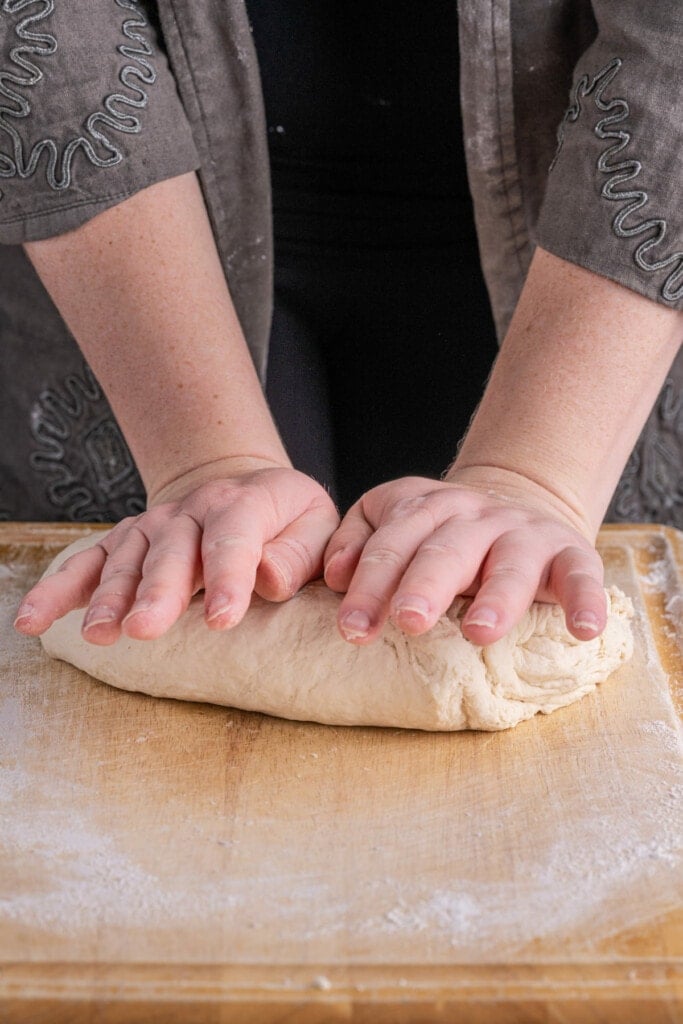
<point>515,517</point>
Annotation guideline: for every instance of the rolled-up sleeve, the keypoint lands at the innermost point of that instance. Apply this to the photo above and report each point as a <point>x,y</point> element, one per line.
<point>89,112</point>
<point>613,196</point>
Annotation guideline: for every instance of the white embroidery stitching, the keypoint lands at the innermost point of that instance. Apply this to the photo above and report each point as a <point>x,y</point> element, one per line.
<point>118,120</point>
<point>88,469</point>
<point>618,110</point>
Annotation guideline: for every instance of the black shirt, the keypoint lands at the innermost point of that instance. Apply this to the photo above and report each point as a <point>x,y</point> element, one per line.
<point>363,114</point>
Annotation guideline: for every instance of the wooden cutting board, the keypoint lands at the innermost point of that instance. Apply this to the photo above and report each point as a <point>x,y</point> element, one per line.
<point>178,862</point>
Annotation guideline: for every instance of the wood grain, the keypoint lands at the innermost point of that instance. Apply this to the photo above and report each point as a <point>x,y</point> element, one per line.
<point>178,862</point>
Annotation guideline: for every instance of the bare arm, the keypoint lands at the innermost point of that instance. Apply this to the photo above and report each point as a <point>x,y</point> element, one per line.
<point>515,517</point>
<point>581,367</point>
<point>142,289</point>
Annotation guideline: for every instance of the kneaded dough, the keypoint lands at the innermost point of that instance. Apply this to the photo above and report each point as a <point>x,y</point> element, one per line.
<point>289,660</point>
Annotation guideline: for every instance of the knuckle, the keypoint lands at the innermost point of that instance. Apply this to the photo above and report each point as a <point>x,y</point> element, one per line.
<point>466,505</point>
<point>184,518</point>
<point>222,541</point>
<point>153,518</point>
<point>575,562</point>
<point>583,582</point>
<point>382,556</point>
<point>226,549</point>
<point>235,501</point>
<point>180,511</point>
<point>168,554</point>
<point>409,503</point>
<point>508,572</point>
<point>328,513</point>
<point>339,562</point>
<point>114,570</point>
<point>254,489</point>
<point>116,534</point>
<point>68,564</point>
<point>580,572</point>
<point>159,592</point>
<point>108,595</point>
<point>137,532</point>
<point>109,543</point>
<point>443,548</point>
<point>584,555</point>
<point>412,506</point>
<point>113,585</point>
<point>366,601</point>
<point>296,548</point>
<point>124,525</point>
<point>218,492</point>
<point>426,585</point>
<point>116,542</point>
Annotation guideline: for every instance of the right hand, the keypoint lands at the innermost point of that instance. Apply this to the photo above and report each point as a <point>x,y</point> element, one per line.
<point>260,530</point>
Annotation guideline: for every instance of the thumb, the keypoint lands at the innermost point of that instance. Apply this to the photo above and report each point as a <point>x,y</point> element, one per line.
<point>345,548</point>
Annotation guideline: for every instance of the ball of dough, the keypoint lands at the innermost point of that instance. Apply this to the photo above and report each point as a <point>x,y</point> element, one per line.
<point>289,660</point>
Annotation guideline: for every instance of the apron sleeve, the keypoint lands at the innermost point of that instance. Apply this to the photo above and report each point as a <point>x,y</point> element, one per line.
<point>89,112</point>
<point>613,196</point>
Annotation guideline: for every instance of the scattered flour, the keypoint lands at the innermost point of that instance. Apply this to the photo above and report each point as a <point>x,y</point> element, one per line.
<point>610,858</point>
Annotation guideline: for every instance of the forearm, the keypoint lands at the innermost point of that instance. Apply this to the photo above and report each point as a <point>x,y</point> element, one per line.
<point>579,370</point>
<point>142,289</point>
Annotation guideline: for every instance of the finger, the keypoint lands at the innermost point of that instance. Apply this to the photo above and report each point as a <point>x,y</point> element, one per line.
<point>68,588</point>
<point>577,578</point>
<point>113,596</point>
<point>511,575</point>
<point>382,563</point>
<point>232,548</point>
<point>169,572</point>
<point>345,548</point>
<point>295,556</point>
<point>434,503</point>
<point>445,565</point>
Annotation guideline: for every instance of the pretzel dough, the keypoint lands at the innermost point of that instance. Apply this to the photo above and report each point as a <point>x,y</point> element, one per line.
<point>289,660</point>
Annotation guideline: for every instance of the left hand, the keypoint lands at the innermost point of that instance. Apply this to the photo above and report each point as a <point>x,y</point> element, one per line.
<point>408,547</point>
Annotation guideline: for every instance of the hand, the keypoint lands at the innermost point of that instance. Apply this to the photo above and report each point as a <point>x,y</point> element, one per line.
<point>262,530</point>
<point>407,548</point>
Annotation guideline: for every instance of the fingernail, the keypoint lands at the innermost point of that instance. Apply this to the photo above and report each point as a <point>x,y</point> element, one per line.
<point>413,605</point>
<point>98,616</point>
<point>139,606</point>
<point>335,558</point>
<point>219,606</point>
<point>282,572</point>
<point>24,613</point>
<point>585,620</point>
<point>355,625</point>
<point>482,617</point>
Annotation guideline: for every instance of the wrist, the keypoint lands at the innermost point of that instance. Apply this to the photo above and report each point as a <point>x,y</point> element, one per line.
<point>516,485</point>
<point>175,488</point>
<point>572,386</point>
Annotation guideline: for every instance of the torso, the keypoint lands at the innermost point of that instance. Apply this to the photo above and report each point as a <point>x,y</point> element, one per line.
<point>362,106</point>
